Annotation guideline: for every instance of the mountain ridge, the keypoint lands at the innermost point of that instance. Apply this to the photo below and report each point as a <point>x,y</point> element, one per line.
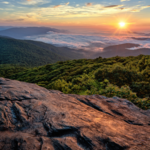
<point>63,51</point>
<point>22,52</point>
<point>123,51</point>
<point>22,32</point>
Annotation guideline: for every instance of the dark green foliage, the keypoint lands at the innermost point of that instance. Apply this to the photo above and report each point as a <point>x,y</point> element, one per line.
<point>62,51</point>
<point>143,88</point>
<point>125,77</point>
<point>112,90</point>
<point>118,75</point>
<point>9,70</point>
<point>24,53</point>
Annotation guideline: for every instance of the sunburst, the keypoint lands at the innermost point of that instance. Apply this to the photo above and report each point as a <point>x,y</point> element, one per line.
<point>122,24</point>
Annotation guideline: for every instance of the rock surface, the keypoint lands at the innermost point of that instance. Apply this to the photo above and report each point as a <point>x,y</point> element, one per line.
<point>34,118</point>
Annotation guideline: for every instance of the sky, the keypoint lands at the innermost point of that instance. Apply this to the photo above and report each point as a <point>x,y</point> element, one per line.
<point>94,14</point>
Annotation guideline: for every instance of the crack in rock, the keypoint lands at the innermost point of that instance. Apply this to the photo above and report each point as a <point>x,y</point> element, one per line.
<point>34,118</point>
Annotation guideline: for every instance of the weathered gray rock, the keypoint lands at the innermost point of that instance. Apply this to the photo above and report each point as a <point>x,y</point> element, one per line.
<point>34,118</point>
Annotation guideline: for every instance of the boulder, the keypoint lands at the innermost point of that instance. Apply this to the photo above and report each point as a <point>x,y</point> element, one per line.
<point>34,118</point>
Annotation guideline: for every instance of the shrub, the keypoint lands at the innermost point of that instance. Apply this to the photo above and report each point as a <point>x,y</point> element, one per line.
<point>118,75</point>
<point>141,88</point>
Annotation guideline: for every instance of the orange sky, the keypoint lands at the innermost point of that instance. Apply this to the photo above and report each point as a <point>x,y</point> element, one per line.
<point>95,14</point>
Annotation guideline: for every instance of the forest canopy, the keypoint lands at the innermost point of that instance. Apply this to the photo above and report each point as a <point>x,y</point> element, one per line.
<point>125,77</point>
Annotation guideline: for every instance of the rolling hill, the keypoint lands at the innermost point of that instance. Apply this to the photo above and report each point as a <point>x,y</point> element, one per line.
<point>4,27</point>
<point>21,32</point>
<point>23,53</point>
<point>125,53</point>
<point>62,51</point>
<point>122,50</point>
<point>117,76</point>
<point>140,39</point>
<point>120,46</point>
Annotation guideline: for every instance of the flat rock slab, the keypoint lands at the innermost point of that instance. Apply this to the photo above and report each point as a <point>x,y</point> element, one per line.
<point>34,118</point>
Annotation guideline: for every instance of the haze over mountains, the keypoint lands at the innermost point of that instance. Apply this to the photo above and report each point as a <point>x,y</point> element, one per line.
<point>22,32</point>
<point>30,53</point>
<point>140,33</point>
<point>35,53</point>
<point>141,38</point>
<point>90,41</point>
<point>123,50</point>
<point>4,27</point>
<point>65,46</point>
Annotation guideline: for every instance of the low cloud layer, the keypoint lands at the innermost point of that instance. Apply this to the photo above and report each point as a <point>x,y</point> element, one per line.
<point>88,42</point>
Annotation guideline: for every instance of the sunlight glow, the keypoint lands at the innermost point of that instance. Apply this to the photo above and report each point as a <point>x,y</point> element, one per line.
<point>122,24</point>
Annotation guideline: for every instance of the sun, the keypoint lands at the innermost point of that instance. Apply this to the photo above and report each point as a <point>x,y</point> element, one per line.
<point>122,24</point>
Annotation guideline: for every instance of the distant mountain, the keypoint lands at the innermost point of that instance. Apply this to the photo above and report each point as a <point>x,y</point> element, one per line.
<point>140,33</point>
<point>21,32</point>
<point>120,46</point>
<point>126,53</point>
<point>4,27</point>
<point>122,50</point>
<point>62,51</point>
<point>141,39</point>
<point>25,53</point>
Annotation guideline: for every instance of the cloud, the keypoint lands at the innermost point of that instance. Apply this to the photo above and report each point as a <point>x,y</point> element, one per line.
<point>89,4</point>
<point>57,6</point>
<point>86,42</point>
<point>67,3</point>
<point>48,13</point>
<point>14,20</point>
<point>5,2</point>
<point>113,6</point>
<point>138,9</point>
<point>29,16</point>
<point>20,20</point>
<point>67,11</point>
<point>34,2</point>
<point>124,0</point>
<point>145,6</point>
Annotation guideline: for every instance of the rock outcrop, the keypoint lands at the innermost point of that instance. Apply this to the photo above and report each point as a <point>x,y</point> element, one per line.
<point>34,118</point>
